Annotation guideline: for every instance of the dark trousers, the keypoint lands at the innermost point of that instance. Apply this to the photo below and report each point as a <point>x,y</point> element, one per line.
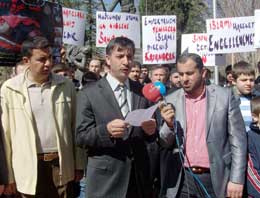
<point>134,187</point>
<point>48,181</point>
<point>191,188</point>
<point>132,191</point>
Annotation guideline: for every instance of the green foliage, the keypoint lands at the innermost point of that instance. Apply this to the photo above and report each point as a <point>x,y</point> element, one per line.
<point>73,4</point>
<point>90,7</point>
<point>189,12</point>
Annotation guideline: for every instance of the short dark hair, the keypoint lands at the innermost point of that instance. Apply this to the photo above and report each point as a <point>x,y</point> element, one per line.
<point>173,70</point>
<point>121,42</point>
<point>88,77</point>
<point>255,105</point>
<point>60,67</point>
<point>137,64</point>
<point>195,57</point>
<point>242,67</point>
<point>96,59</point>
<point>37,42</point>
<point>156,67</point>
<point>145,66</point>
<point>228,69</point>
<point>258,64</point>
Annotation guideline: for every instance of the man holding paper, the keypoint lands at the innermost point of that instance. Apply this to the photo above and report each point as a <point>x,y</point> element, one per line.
<point>208,137</point>
<point>118,163</point>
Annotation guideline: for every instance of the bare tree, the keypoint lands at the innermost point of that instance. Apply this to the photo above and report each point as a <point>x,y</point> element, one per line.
<point>237,8</point>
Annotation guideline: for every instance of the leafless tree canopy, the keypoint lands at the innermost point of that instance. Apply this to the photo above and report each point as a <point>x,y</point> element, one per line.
<point>237,8</point>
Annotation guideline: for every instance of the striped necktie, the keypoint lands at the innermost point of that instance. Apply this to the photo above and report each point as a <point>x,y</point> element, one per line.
<point>122,100</point>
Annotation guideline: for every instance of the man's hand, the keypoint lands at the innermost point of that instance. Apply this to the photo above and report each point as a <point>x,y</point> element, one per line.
<point>2,187</point>
<point>10,189</point>
<point>167,113</point>
<point>149,126</point>
<point>78,175</point>
<point>234,190</point>
<point>117,128</point>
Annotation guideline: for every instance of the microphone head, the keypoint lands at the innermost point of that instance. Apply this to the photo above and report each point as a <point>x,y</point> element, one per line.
<point>152,91</point>
<point>161,87</point>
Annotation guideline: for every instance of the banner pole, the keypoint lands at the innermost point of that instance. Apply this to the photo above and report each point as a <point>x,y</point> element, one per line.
<point>232,60</point>
<point>215,67</point>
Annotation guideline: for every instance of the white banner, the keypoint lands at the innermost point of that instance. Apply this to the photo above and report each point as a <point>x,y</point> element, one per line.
<point>231,35</point>
<point>115,24</point>
<point>198,43</point>
<point>74,23</point>
<point>257,29</point>
<point>159,39</point>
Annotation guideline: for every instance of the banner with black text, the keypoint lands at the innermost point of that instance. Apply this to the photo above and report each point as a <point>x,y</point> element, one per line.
<point>159,39</point>
<point>231,35</point>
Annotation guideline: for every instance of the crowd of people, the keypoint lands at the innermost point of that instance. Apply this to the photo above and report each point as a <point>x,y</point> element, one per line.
<point>65,136</point>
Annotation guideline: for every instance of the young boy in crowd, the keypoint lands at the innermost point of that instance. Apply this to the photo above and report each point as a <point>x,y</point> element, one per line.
<point>244,81</point>
<point>253,169</point>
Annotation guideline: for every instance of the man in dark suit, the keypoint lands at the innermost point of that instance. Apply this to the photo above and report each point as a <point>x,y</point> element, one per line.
<point>209,121</point>
<point>118,164</point>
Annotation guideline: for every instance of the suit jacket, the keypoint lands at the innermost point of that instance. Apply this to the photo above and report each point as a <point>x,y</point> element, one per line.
<point>19,131</point>
<point>225,138</point>
<point>110,160</point>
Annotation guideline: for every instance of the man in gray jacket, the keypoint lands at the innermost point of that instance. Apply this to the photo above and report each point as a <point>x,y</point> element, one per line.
<point>207,134</point>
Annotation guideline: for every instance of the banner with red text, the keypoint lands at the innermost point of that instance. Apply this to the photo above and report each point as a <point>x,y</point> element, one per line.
<point>115,24</point>
<point>74,24</point>
<point>257,29</point>
<point>231,35</point>
<point>198,43</point>
<point>159,39</point>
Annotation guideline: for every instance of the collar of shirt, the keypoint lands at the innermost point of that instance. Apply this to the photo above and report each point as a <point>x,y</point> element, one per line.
<point>200,97</point>
<point>30,83</point>
<point>113,82</point>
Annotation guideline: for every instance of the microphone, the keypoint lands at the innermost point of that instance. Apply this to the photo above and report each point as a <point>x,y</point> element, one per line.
<point>154,91</point>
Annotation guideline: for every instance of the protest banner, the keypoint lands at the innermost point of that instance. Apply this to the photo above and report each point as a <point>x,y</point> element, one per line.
<point>231,35</point>
<point>114,24</point>
<point>257,29</point>
<point>159,39</point>
<point>198,43</point>
<point>74,24</point>
<point>19,21</point>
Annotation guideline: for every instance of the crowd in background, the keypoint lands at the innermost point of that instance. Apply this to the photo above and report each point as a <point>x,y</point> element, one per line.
<point>43,104</point>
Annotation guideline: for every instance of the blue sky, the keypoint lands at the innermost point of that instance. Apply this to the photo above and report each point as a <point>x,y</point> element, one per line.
<point>117,9</point>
